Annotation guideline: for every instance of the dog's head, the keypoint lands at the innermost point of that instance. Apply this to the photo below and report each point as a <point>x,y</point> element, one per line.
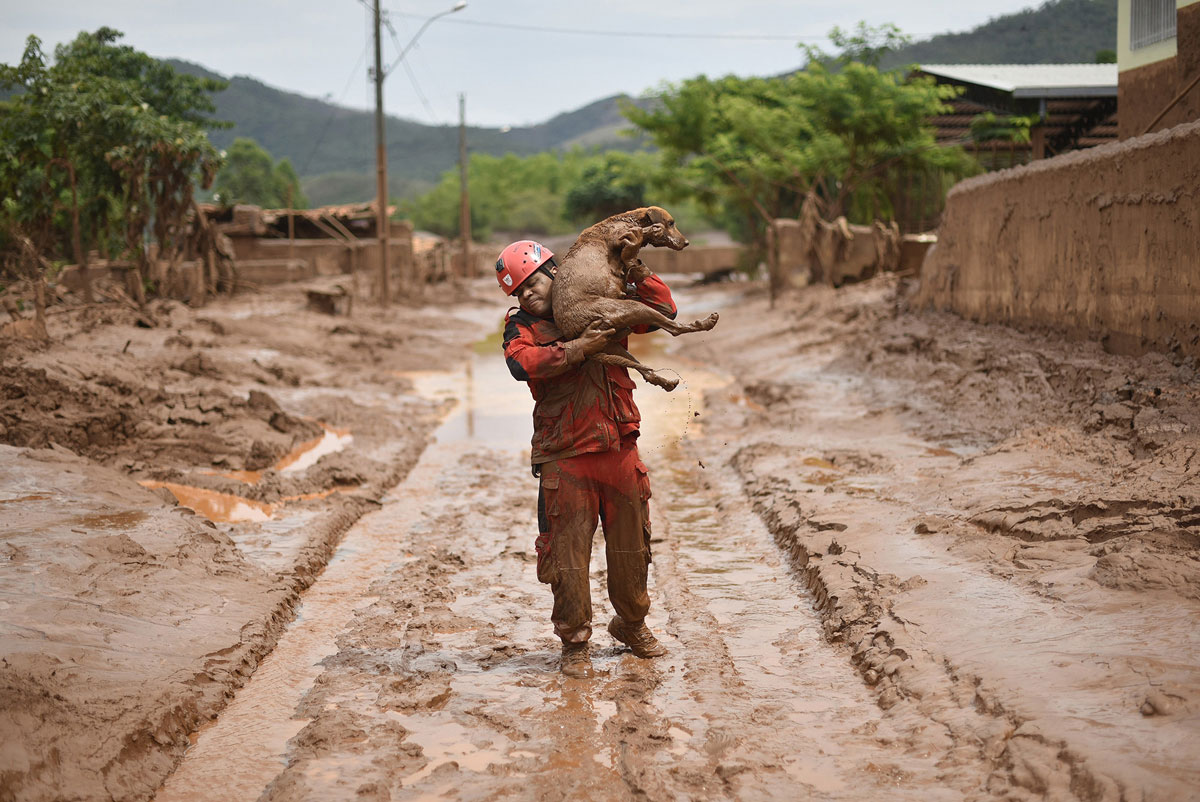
<point>659,229</point>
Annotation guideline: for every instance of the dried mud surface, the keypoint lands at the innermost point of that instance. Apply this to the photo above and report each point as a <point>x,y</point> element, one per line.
<point>127,619</point>
<point>896,556</point>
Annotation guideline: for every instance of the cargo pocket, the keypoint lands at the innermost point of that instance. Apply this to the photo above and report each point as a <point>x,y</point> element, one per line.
<point>547,568</point>
<point>643,482</point>
<point>551,424</point>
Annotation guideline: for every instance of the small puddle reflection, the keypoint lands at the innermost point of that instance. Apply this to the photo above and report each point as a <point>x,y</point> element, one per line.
<point>299,458</point>
<point>446,741</point>
<point>306,454</point>
<point>219,507</point>
<point>817,462</point>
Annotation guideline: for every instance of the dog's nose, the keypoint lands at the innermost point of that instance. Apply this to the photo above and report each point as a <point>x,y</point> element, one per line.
<point>685,242</point>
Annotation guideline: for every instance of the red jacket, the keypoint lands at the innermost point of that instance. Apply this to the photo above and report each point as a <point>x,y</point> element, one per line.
<point>580,405</point>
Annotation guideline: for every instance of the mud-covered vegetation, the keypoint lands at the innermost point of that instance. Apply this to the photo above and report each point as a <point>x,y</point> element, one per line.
<point>100,150</point>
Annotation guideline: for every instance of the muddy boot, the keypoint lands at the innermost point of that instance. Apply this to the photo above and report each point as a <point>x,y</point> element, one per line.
<point>576,662</point>
<point>637,637</point>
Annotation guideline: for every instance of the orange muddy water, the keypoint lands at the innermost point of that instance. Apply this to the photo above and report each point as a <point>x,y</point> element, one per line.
<point>230,508</point>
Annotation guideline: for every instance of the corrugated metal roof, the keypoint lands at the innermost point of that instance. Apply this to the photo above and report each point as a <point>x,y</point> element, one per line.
<point>1034,80</point>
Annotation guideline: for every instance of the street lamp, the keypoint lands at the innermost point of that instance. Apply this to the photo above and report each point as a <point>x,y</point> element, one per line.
<point>381,215</point>
<point>459,6</point>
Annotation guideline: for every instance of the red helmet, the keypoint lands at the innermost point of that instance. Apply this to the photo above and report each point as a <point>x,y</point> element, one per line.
<point>518,261</point>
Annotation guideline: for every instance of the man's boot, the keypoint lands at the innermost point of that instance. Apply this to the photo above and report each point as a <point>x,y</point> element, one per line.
<point>637,637</point>
<point>576,661</point>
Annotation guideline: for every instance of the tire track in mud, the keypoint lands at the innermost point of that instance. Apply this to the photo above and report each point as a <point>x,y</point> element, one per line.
<point>783,707</point>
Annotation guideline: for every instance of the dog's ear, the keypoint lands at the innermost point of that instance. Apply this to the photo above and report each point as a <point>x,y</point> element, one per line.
<point>647,216</point>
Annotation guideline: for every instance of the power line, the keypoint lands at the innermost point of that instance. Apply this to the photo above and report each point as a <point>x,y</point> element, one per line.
<point>334,110</point>
<point>408,69</point>
<point>424,100</point>
<point>753,37</point>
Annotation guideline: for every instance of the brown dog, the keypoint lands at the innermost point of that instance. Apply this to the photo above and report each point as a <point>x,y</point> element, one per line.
<point>590,284</point>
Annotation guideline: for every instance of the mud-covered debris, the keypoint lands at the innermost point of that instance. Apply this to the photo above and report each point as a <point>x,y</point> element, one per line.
<point>260,402</point>
<point>1158,704</point>
<point>199,364</point>
<point>335,301</point>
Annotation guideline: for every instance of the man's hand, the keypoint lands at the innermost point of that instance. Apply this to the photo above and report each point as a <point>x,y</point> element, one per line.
<point>595,337</point>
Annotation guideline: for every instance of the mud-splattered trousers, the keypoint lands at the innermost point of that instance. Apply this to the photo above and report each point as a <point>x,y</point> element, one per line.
<point>585,428</point>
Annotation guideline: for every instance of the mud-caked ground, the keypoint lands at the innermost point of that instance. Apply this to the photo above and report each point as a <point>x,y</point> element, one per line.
<point>896,555</point>
<point>128,619</point>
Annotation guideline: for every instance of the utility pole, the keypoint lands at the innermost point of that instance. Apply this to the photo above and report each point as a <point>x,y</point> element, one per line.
<point>379,73</point>
<point>381,214</point>
<point>291,228</point>
<point>464,210</point>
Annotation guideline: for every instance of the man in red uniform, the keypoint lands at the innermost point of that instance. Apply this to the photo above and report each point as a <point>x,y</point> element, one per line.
<point>584,449</point>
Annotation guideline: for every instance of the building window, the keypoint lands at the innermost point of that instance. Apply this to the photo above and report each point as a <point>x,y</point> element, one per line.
<point>1153,21</point>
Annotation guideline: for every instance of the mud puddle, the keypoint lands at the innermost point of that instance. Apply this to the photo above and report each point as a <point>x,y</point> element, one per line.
<point>230,508</point>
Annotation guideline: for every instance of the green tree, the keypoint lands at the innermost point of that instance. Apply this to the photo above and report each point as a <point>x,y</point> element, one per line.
<point>250,175</point>
<point>615,182</point>
<point>546,193</point>
<point>508,193</point>
<point>866,44</point>
<point>97,150</point>
<point>987,127</point>
<point>753,149</point>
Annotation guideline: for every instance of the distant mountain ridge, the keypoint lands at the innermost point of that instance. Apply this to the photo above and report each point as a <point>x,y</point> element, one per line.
<point>333,148</point>
<point>1057,32</point>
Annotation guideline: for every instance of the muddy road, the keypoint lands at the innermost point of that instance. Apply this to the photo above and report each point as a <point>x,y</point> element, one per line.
<point>430,669</point>
<point>896,556</point>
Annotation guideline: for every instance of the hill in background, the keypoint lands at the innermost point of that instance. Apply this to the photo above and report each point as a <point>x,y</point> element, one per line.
<point>333,148</point>
<point>1063,32</point>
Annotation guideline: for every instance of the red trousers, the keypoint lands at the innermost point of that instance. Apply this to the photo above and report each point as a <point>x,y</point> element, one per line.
<point>612,487</point>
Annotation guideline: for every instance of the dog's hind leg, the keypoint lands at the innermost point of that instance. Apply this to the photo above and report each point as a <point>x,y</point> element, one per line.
<point>623,314</point>
<point>614,354</point>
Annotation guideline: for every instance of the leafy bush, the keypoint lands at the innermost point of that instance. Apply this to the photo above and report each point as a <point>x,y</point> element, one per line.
<point>97,150</point>
<point>250,175</point>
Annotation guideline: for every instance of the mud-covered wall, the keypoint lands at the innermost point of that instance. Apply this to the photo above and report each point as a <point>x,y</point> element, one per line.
<point>1104,243</point>
<point>265,260</point>
<point>695,259</point>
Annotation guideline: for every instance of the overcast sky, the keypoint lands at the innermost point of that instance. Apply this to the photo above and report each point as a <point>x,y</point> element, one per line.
<point>517,61</point>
